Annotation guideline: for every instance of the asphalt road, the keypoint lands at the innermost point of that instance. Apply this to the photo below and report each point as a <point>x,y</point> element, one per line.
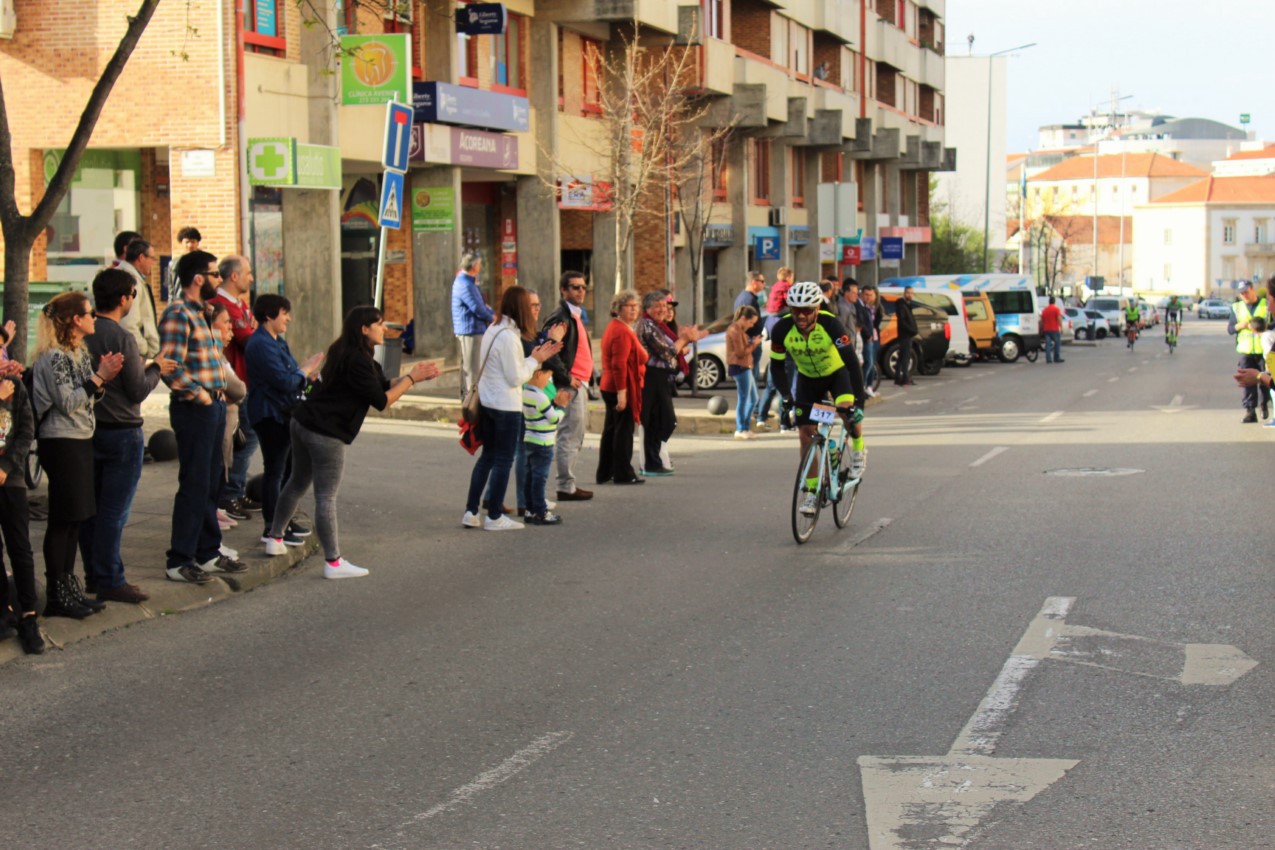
<point>990,656</point>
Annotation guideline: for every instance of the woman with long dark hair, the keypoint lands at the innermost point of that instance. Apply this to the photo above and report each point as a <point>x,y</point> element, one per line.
<point>328,421</point>
<point>65,387</point>
<point>504,369</point>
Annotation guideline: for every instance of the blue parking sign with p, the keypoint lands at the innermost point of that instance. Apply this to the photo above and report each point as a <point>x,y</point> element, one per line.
<point>766,248</point>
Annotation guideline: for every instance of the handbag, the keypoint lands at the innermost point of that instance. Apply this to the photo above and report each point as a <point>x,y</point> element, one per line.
<point>470,406</point>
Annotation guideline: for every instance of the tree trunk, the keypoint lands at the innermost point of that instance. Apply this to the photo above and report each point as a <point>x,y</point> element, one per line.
<point>698,308</point>
<point>17,272</point>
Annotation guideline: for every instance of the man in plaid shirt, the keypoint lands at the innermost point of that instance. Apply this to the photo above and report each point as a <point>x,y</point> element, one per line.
<point>197,411</point>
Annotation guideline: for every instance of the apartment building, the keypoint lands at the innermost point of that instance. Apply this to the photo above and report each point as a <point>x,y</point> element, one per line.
<point>248,139</point>
<point>1083,207</point>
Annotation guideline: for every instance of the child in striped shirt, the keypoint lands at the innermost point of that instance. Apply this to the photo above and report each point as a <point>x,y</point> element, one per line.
<point>541,416</point>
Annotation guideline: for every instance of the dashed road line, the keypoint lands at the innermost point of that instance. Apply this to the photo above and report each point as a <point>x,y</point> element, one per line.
<point>993,453</point>
<point>1091,393</point>
<point>1051,417</point>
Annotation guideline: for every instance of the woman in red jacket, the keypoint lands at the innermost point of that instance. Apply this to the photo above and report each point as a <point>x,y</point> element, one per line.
<point>623,371</point>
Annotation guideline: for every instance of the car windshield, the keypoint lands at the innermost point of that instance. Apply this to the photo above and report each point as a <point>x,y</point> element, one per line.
<point>1105,304</point>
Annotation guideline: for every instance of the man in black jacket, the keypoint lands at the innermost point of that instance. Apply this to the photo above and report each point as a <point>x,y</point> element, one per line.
<point>572,367</point>
<point>907,330</point>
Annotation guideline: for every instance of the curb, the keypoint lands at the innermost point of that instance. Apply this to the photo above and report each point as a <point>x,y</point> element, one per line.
<point>166,599</point>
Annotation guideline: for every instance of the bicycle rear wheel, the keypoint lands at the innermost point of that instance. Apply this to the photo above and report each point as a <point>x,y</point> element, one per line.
<point>812,466</point>
<point>844,503</point>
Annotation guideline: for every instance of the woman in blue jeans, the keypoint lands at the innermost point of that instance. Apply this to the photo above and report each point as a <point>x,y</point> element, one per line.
<point>275,387</point>
<point>503,370</point>
<point>328,421</point>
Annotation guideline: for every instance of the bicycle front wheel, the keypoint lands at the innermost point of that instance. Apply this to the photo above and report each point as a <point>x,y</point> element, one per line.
<point>803,518</point>
<point>849,489</point>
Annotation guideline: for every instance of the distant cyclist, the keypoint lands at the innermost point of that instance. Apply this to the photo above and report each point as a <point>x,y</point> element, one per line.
<point>1172,319</point>
<point>822,351</point>
<point>1132,321</point>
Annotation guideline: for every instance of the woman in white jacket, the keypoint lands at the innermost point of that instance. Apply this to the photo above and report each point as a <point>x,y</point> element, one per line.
<point>504,370</point>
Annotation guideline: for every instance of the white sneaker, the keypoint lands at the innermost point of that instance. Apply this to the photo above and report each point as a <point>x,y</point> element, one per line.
<point>502,524</point>
<point>858,463</point>
<point>471,520</point>
<point>343,569</point>
<point>229,553</point>
<point>869,392</point>
<point>809,506</point>
<point>274,546</point>
<point>550,504</point>
<point>741,435</point>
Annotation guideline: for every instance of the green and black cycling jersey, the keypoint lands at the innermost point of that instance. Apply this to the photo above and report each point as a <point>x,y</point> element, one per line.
<point>826,352</point>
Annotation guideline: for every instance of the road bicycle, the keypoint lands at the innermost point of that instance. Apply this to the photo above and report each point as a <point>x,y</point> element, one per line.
<point>1131,333</point>
<point>825,471</point>
<point>1171,329</point>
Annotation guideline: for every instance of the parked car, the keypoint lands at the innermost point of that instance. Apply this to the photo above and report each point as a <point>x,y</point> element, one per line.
<point>1150,315</point>
<point>931,343</point>
<point>1081,323</point>
<point>1098,322</point>
<point>1112,309</point>
<point>710,360</point>
<point>1214,308</point>
<point>980,319</point>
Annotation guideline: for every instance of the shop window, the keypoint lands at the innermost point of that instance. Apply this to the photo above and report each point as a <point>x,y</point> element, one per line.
<point>263,27</point>
<point>510,56</point>
<point>761,172</point>
<point>467,59</point>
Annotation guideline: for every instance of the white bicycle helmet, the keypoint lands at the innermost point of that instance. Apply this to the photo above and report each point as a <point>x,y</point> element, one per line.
<point>805,294</point>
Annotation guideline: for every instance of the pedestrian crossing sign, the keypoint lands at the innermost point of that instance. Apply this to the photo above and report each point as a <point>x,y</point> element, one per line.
<point>392,188</point>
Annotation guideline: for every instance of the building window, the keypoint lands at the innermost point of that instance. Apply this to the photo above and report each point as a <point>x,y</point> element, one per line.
<point>779,39</point>
<point>467,59</point>
<point>1228,268</point>
<point>1168,272</point>
<point>718,165</point>
<point>510,56</point>
<point>714,24</point>
<point>263,27</point>
<point>1259,231</point>
<point>1228,231</point>
<point>591,64</point>
<point>761,172</point>
<point>798,177</point>
<point>798,48</point>
<point>1168,236</point>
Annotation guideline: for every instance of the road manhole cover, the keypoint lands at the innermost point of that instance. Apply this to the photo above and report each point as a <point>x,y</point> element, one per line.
<point>1091,471</point>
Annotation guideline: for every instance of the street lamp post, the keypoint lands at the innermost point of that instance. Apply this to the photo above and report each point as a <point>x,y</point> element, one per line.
<point>987,187</point>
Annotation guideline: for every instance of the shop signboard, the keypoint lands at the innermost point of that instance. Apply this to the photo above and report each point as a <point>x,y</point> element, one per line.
<point>798,235</point>
<point>582,193</point>
<point>318,167</point>
<point>281,161</point>
<point>434,209</point>
<point>481,19</point>
<point>375,69</point>
<point>851,255</point>
<point>827,249</point>
<point>867,248</point>
<point>891,247</point>
<point>445,103</point>
<point>910,235</point>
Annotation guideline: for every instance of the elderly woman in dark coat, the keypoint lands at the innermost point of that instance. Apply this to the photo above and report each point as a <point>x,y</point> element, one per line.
<point>663,346</point>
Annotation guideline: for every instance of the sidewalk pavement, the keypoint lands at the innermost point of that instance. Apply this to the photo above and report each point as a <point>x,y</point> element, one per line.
<point>146,539</point>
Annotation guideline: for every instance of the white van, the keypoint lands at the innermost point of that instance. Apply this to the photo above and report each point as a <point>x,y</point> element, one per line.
<point>951,303</point>
<point>1013,299</point>
<point>1112,309</point>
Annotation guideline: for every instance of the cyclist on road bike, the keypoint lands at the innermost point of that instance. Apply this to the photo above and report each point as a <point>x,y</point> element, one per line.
<point>822,352</point>
<point>1172,316</point>
<point>1132,321</point>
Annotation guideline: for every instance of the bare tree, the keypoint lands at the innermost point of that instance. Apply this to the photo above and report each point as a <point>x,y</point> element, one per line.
<point>646,111</point>
<point>21,231</point>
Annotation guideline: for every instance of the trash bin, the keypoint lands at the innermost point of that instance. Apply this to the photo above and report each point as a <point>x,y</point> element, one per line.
<point>390,354</point>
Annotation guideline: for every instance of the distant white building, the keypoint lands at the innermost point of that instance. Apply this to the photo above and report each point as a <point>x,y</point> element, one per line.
<point>1206,237</point>
<point>978,180</point>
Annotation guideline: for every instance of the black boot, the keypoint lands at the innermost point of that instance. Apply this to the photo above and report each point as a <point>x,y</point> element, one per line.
<point>29,636</point>
<point>62,601</point>
<point>77,591</point>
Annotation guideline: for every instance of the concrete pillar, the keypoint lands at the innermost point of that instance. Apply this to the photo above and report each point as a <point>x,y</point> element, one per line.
<point>807,256</point>
<point>312,217</point>
<point>539,222</point>
<point>435,258</point>
<point>869,191</point>
<point>732,262</point>
<point>312,269</point>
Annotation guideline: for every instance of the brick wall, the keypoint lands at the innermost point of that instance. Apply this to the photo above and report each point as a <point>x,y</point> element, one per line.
<point>577,230</point>
<point>160,100</point>
<point>750,27</point>
<point>650,257</point>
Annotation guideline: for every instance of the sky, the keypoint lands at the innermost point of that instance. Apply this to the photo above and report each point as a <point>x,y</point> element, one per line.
<point>1186,58</point>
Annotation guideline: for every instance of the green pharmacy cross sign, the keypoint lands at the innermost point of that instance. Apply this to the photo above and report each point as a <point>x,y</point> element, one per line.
<point>283,162</point>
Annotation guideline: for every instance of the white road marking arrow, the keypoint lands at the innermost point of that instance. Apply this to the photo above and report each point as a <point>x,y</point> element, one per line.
<point>1174,406</point>
<point>915,802</point>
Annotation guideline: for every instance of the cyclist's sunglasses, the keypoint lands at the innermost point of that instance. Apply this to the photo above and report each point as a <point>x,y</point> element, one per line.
<point>804,311</point>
